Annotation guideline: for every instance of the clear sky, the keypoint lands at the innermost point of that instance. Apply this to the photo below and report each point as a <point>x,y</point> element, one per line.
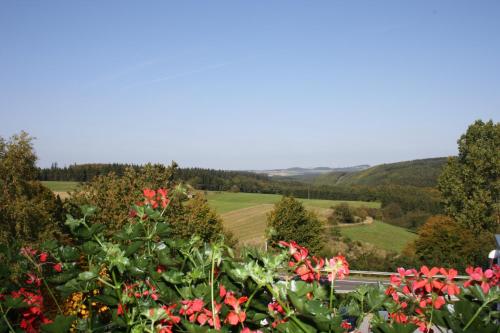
<point>247,84</point>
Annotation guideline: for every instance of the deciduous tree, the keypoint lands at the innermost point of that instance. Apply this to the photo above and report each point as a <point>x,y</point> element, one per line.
<point>470,182</point>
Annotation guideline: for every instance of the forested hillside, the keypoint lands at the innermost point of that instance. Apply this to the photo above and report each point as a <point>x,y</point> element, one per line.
<point>420,173</point>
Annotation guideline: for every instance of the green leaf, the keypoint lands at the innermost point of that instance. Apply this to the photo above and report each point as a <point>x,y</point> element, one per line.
<point>88,210</point>
<point>132,248</point>
<point>173,276</point>
<point>61,324</point>
<point>14,303</point>
<point>87,276</point>
<point>91,248</point>
<point>73,223</point>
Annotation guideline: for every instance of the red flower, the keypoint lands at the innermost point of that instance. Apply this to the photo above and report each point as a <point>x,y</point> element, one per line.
<point>148,193</point>
<point>236,315</point>
<point>428,283</point>
<point>191,308</point>
<point>298,252</point>
<point>43,257</point>
<point>33,279</point>
<point>450,287</point>
<point>222,291</point>
<point>162,197</point>
<point>345,325</point>
<point>58,267</point>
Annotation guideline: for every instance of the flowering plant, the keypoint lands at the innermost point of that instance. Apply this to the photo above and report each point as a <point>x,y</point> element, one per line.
<point>141,280</point>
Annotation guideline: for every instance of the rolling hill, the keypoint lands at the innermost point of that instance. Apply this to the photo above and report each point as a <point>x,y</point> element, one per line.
<point>421,173</point>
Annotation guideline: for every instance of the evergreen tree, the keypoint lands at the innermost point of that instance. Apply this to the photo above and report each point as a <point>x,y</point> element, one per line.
<point>290,221</point>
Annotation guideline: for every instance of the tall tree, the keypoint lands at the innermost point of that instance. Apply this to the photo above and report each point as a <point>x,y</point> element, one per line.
<point>29,212</point>
<point>470,182</point>
<point>290,221</point>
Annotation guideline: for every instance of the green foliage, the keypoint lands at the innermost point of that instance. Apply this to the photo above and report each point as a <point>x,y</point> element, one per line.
<point>195,217</point>
<point>442,241</point>
<point>342,214</point>
<point>110,194</point>
<point>470,182</point>
<point>291,221</point>
<point>28,211</point>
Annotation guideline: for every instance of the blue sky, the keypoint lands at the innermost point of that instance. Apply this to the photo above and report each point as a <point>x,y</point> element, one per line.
<point>247,84</point>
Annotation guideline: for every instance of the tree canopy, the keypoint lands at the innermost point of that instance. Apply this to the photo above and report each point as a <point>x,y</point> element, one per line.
<point>470,182</point>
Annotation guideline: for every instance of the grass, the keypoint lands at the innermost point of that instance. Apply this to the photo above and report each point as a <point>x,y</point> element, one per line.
<point>59,186</point>
<point>225,202</point>
<point>245,214</point>
<point>380,234</point>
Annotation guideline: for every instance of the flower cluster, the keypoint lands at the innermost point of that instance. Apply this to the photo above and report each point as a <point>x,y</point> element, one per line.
<point>417,293</point>
<point>277,312</point>
<point>155,199</point>
<point>40,259</point>
<point>32,316</point>
<point>309,268</point>
<point>195,310</point>
<point>487,279</point>
<point>302,264</point>
<point>141,290</point>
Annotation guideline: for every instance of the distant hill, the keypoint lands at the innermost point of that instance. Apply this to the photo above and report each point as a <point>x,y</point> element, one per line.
<point>308,172</point>
<point>422,173</point>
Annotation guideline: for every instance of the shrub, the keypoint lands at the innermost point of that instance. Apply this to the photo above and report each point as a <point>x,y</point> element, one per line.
<point>441,240</point>
<point>342,213</point>
<point>111,195</point>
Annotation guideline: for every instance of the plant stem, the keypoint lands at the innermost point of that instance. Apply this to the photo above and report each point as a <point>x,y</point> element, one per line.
<point>212,273</point>
<point>52,295</point>
<point>40,272</point>
<point>247,304</point>
<point>475,315</point>
<point>118,295</point>
<point>4,315</point>
<point>332,284</point>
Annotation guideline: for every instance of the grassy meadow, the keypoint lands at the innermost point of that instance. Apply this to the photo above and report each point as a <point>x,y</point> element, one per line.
<point>58,186</point>
<point>245,215</point>
<point>383,235</point>
<point>225,202</point>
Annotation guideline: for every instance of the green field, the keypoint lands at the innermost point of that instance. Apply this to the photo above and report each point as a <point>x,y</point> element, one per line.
<point>58,186</point>
<point>380,234</point>
<point>225,202</point>
<point>245,214</point>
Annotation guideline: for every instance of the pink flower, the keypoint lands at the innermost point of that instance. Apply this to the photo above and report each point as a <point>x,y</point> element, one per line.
<point>486,279</point>
<point>337,267</point>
